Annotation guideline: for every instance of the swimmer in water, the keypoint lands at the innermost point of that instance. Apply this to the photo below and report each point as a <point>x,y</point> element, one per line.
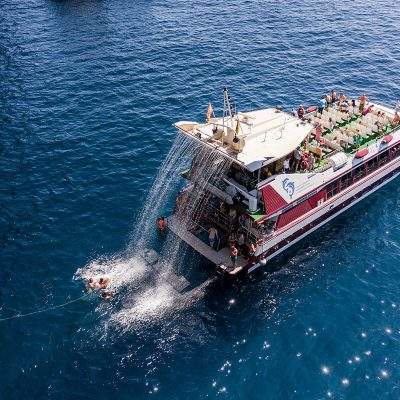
<point>161,224</point>
<point>103,282</point>
<point>91,284</point>
<point>106,295</point>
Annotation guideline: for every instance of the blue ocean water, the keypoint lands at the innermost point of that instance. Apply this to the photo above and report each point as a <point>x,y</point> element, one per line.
<point>88,93</point>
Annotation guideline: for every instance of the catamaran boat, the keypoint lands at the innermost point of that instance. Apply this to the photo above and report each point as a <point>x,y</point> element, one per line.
<point>262,180</point>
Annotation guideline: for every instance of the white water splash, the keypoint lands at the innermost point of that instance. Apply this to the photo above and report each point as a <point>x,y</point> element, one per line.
<point>147,297</point>
<point>120,271</point>
<point>163,188</point>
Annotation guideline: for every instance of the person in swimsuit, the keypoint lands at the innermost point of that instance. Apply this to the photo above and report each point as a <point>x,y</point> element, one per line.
<point>212,236</point>
<point>363,102</point>
<point>106,295</point>
<point>234,254</point>
<point>395,120</point>
<point>301,112</point>
<point>91,284</point>
<point>103,282</point>
<point>328,99</point>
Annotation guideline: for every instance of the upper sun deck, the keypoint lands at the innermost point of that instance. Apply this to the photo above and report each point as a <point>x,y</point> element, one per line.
<point>256,139</point>
<point>252,139</point>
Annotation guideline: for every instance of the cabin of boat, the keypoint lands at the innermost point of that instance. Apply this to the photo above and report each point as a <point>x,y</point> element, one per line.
<point>281,167</point>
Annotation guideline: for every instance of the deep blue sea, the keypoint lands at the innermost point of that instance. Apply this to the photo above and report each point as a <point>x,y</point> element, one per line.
<point>89,90</point>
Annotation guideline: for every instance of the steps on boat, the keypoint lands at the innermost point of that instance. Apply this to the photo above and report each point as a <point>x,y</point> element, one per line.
<point>178,229</point>
<point>220,257</point>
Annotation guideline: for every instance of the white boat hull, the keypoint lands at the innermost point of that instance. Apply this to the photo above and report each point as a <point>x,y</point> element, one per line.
<point>341,202</point>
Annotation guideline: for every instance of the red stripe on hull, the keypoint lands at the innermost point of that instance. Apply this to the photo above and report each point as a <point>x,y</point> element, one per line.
<point>272,251</point>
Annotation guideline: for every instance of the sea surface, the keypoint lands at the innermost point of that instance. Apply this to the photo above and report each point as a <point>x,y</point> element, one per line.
<point>89,90</point>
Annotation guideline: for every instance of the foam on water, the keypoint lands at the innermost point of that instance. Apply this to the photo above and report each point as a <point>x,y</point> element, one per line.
<point>144,301</point>
<point>147,296</point>
<point>151,304</point>
<point>121,271</point>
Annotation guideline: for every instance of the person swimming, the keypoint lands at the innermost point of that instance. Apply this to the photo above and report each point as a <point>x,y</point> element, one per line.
<point>91,284</point>
<point>103,282</point>
<point>106,295</point>
<point>161,223</point>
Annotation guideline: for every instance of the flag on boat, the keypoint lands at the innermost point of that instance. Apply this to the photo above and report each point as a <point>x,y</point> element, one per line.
<point>210,112</point>
<point>237,127</point>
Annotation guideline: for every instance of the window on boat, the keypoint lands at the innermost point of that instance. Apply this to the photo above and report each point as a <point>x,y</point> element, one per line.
<point>274,168</point>
<point>333,189</point>
<point>346,180</point>
<point>383,158</point>
<point>358,173</point>
<point>372,164</point>
<point>242,176</point>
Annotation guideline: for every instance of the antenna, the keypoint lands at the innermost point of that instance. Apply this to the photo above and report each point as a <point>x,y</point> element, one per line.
<point>229,104</point>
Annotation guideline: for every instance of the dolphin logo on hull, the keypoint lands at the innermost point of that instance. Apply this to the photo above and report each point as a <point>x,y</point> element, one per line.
<point>288,187</point>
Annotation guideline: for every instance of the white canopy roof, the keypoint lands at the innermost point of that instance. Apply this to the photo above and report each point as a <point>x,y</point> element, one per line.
<point>266,135</point>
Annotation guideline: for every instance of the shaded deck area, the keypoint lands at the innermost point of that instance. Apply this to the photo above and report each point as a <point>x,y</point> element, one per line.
<point>220,257</point>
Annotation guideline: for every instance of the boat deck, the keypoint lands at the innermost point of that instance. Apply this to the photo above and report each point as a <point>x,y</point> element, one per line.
<point>220,257</point>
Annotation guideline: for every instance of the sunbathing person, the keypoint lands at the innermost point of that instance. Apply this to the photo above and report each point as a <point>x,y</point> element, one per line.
<point>395,120</point>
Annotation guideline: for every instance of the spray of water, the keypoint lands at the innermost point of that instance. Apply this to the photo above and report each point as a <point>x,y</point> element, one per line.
<point>143,296</point>
<point>163,187</point>
<point>208,166</point>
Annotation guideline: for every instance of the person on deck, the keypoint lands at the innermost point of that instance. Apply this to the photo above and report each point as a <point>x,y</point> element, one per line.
<point>395,120</point>
<point>222,207</point>
<point>333,96</point>
<point>344,106</point>
<point>328,99</point>
<point>212,237</point>
<point>321,104</point>
<point>232,216</point>
<point>311,162</point>
<point>368,110</point>
<point>318,132</point>
<point>301,112</point>
<point>363,102</point>
<point>234,254</point>
<point>286,166</point>
<point>242,220</point>
<point>252,250</point>
<point>297,159</point>
<point>241,241</point>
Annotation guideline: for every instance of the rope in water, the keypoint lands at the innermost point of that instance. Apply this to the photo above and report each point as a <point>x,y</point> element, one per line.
<point>44,310</point>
